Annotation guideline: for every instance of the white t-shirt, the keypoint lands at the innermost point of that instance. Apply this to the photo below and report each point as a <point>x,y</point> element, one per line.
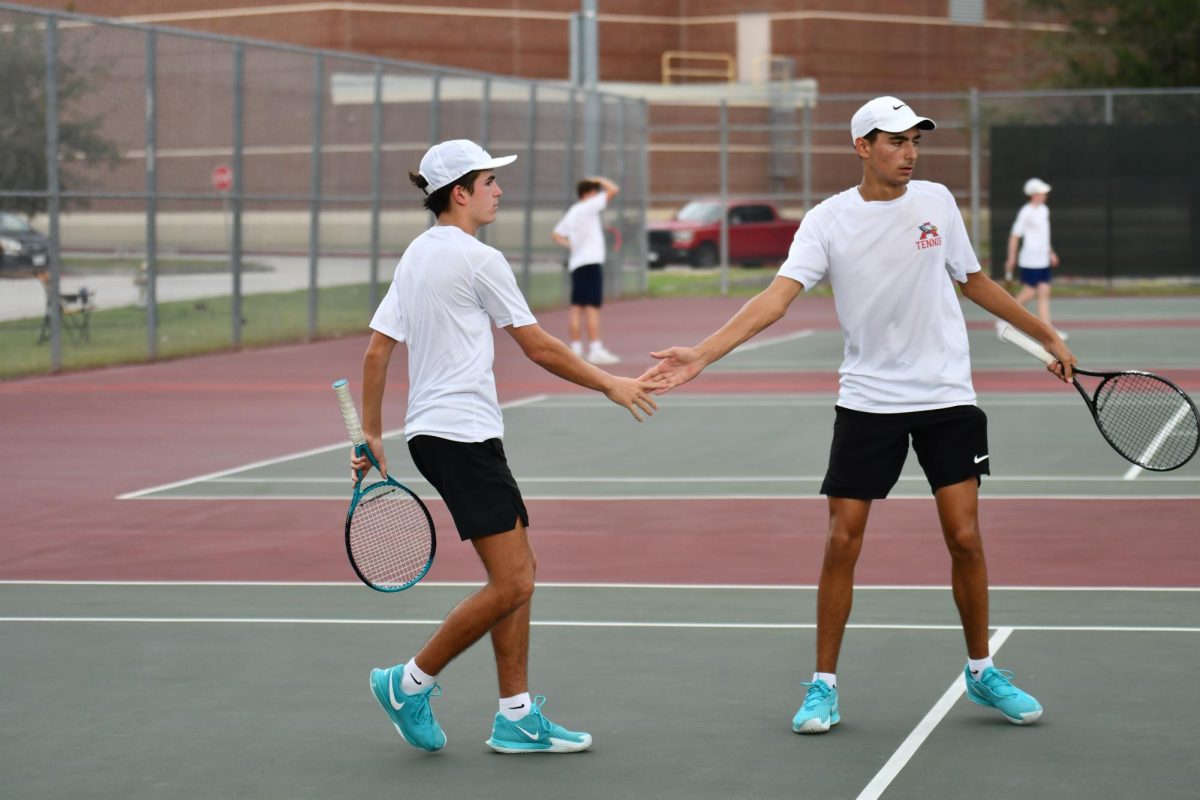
<point>887,262</point>
<point>581,224</point>
<point>1032,225</point>
<point>448,287</point>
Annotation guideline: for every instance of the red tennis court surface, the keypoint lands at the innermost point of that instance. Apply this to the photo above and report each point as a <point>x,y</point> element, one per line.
<point>75,442</point>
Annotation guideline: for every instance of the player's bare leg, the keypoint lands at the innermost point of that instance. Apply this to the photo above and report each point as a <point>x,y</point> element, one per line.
<point>510,564</point>
<point>573,326</point>
<point>958,511</point>
<point>835,592</point>
<point>592,315</point>
<point>1043,302</point>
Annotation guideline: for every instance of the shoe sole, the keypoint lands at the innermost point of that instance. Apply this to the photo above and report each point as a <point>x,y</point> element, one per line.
<point>386,705</point>
<point>815,725</point>
<point>1025,719</point>
<point>558,746</point>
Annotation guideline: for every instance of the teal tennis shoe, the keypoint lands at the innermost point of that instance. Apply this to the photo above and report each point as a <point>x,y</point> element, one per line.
<point>410,713</point>
<point>533,733</point>
<point>995,690</point>
<point>820,710</point>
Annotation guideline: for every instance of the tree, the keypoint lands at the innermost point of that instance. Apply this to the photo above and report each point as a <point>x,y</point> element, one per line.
<point>23,118</point>
<point>1127,43</point>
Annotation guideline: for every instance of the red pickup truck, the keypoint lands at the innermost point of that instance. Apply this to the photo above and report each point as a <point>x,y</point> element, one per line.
<point>757,234</point>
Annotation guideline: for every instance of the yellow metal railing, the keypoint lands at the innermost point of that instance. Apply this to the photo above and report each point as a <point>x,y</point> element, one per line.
<point>673,61</point>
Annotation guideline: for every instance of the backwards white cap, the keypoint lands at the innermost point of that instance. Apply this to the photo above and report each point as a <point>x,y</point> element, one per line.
<point>888,114</point>
<point>1036,186</point>
<point>445,163</point>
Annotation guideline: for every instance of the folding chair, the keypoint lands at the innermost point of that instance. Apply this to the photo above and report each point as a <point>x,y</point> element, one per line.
<point>75,310</point>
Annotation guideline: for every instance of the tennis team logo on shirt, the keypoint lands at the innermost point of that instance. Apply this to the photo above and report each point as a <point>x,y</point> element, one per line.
<point>929,236</point>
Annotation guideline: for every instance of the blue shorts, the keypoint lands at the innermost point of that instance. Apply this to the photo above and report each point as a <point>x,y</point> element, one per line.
<point>587,286</point>
<point>1032,276</point>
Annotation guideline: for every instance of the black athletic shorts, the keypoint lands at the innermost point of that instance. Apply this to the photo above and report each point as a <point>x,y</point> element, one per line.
<point>474,480</point>
<point>587,286</point>
<point>868,450</point>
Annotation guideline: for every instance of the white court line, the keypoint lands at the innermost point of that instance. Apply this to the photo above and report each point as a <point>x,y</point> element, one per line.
<point>628,498</point>
<point>271,461</point>
<point>735,626</point>
<point>644,479</point>
<point>773,340</point>
<point>909,746</point>
<point>887,587</point>
<point>1157,441</point>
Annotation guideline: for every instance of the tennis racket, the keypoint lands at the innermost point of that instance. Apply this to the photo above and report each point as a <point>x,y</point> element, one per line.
<point>389,533</point>
<point>1145,417</point>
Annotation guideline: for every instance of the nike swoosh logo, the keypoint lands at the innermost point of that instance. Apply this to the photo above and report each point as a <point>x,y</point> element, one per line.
<point>414,677</point>
<point>392,696</point>
<point>980,458</point>
<point>897,108</point>
<point>534,736</point>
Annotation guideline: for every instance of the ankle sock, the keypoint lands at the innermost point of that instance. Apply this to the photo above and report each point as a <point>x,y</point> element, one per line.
<point>515,707</point>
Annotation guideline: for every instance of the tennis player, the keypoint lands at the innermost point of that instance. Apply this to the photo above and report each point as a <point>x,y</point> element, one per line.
<point>448,290</point>
<point>1036,257</point>
<point>582,233</point>
<point>893,250</point>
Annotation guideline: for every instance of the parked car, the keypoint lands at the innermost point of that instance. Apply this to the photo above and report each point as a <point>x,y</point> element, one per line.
<point>757,234</point>
<point>21,247</point>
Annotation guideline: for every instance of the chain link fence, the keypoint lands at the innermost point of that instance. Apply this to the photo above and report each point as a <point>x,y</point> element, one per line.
<point>795,154</point>
<point>213,192</point>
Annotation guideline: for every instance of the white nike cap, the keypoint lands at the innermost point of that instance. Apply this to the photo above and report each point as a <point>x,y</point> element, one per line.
<point>1036,186</point>
<point>888,114</point>
<point>445,163</point>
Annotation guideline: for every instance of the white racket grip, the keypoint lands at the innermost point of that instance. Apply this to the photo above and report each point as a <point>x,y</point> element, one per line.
<point>1010,334</point>
<point>349,414</point>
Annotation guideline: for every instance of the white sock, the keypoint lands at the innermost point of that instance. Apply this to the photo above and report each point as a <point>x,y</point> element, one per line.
<point>977,666</point>
<point>516,707</point>
<point>415,680</point>
<point>597,345</point>
<point>829,678</point>
<point>577,347</point>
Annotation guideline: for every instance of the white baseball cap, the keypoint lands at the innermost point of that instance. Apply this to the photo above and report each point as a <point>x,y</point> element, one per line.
<point>888,114</point>
<point>445,163</point>
<point>1036,186</point>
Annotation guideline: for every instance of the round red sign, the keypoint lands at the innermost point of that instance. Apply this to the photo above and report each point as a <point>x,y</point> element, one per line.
<point>222,179</point>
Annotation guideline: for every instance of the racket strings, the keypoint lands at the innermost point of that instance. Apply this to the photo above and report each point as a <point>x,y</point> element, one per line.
<point>390,537</point>
<point>1147,420</point>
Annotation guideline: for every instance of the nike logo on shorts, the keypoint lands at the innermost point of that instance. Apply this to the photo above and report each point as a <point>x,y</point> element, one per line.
<point>979,459</point>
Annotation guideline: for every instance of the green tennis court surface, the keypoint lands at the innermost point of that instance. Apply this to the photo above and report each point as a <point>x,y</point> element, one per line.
<point>204,691</point>
<point>724,446</point>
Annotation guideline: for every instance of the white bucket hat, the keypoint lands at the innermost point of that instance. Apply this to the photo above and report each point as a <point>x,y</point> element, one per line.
<point>445,163</point>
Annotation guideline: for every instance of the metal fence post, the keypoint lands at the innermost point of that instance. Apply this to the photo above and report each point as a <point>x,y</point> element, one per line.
<point>806,155</point>
<point>724,170</point>
<point>53,192</point>
<point>150,278</point>
<point>527,233</point>
<point>314,207</point>
<point>976,148</point>
<point>644,179</point>
<point>376,181</point>
<point>239,183</point>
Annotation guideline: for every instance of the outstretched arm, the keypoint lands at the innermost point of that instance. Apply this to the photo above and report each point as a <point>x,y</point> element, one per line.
<point>678,365</point>
<point>555,357</point>
<point>987,294</point>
